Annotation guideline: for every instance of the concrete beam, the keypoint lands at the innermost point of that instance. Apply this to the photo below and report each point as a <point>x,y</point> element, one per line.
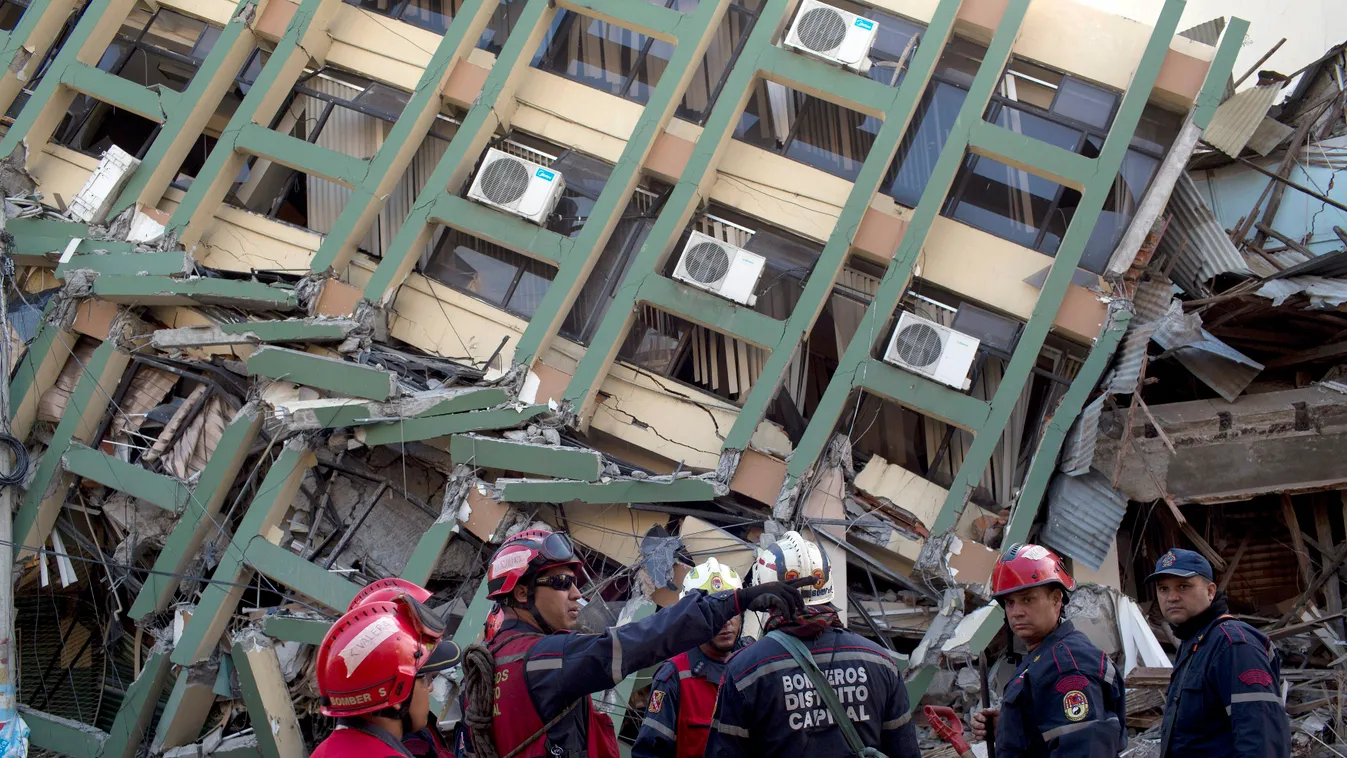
<point>309,330</point>
<point>220,598</point>
<point>623,491</point>
<point>126,264</point>
<point>280,564</point>
<point>110,471</point>
<point>212,487</point>
<point>309,631</point>
<point>819,79</point>
<point>928,397</point>
<point>88,404</point>
<point>1031,155</point>
<point>267,697</point>
<point>333,412</point>
<point>121,93</point>
<point>142,698</point>
<point>62,736</point>
<point>725,316</point>
<point>47,355</point>
<point>1044,462</point>
<point>651,20</point>
<point>430,427</point>
<point>507,231</point>
<point>332,374</point>
<point>301,155</point>
<point>539,460</point>
<point>188,706</point>
<point>161,290</point>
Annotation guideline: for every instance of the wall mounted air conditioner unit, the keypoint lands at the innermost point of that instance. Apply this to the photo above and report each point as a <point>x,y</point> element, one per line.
<point>514,185</point>
<point>927,348</point>
<point>720,267</point>
<point>834,35</point>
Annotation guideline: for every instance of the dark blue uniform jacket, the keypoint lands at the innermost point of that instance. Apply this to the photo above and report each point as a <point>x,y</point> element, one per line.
<point>658,735</point>
<point>1224,697</point>
<point>768,706</point>
<point>1066,701</point>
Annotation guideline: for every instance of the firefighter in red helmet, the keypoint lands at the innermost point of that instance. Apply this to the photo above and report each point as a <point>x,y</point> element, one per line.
<point>1066,699</point>
<point>544,673</point>
<point>370,674</point>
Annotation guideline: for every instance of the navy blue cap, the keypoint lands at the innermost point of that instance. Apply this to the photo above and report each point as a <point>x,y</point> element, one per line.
<point>445,656</point>
<point>1180,562</point>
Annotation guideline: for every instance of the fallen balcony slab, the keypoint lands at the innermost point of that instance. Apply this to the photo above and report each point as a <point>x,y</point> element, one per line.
<point>164,491</point>
<point>623,491</point>
<point>40,241</point>
<point>314,330</point>
<point>527,458</point>
<point>431,427</point>
<point>334,412</point>
<point>1289,441</point>
<point>163,290</point>
<point>332,374</point>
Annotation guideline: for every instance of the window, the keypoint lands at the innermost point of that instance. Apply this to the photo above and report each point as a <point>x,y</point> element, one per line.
<point>436,15</point>
<point>11,11</point>
<point>348,114</point>
<point>501,277</point>
<point>808,129</point>
<point>1046,105</point>
<point>627,64</point>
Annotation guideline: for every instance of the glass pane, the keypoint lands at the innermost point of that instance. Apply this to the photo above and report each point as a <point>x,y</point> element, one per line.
<point>959,62</point>
<point>894,36</point>
<point>654,340</point>
<point>470,271</point>
<point>10,14</point>
<point>174,32</point>
<point>715,65</point>
<point>384,99</point>
<point>433,15</point>
<point>528,294</point>
<point>1005,201</point>
<point>1085,103</point>
<point>594,52</point>
<point>648,73</point>
<point>1022,122</point>
<point>1026,82</point>
<point>832,138</point>
<point>608,271</point>
<point>1133,179</point>
<point>921,146</point>
<point>135,22</point>
<point>756,123</point>
<point>1156,130</point>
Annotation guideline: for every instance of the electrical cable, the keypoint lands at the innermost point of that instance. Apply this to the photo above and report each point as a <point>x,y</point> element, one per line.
<point>19,473</point>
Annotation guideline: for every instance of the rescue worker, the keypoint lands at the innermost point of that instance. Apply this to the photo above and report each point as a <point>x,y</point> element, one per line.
<point>370,678</point>
<point>1224,694</point>
<point>683,692</point>
<point>429,741</point>
<point>768,703</point>
<point>544,674</point>
<point>1066,698</point>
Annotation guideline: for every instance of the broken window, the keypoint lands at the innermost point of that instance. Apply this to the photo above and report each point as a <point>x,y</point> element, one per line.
<point>348,114</point>
<point>159,48</point>
<point>628,64</point>
<point>506,279</point>
<point>11,12</point>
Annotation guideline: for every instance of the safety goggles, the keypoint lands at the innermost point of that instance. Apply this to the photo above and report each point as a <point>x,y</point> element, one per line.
<point>555,548</point>
<point>559,582</point>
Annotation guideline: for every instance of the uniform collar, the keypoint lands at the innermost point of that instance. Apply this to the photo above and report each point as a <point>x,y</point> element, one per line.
<point>1056,635</point>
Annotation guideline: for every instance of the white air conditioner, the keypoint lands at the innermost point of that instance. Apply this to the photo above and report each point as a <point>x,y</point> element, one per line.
<point>720,267</point>
<point>517,186</point>
<point>834,35</point>
<point>927,348</point>
<point>96,197</point>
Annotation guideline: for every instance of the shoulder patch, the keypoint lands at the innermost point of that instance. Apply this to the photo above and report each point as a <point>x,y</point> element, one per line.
<point>656,701</point>
<point>1072,682</point>
<point>1075,705</point>
<point>1256,678</point>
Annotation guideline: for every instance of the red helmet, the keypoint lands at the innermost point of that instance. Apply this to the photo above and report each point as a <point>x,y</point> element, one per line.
<point>526,553</point>
<point>494,620</point>
<point>1025,565</point>
<point>387,589</point>
<point>369,659</point>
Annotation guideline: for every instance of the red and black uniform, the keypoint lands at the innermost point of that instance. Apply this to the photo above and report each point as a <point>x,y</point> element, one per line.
<point>362,741</point>
<point>682,702</point>
<point>540,676</point>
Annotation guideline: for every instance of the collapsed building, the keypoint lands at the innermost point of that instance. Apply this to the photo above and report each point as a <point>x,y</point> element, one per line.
<point>310,294</point>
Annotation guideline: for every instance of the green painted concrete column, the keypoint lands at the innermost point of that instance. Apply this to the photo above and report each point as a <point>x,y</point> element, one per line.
<point>37,372</point>
<point>133,718</point>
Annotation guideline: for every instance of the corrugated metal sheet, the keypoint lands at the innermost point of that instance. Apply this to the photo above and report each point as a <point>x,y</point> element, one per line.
<point>1198,241</point>
<point>1323,293</point>
<point>1151,301</point>
<point>1268,136</point>
<point>1078,448</point>
<point>1239,117</point>
<point>1126,370</point>
<point>1208,32</point>
<point>1218,365</point>
<point>1083,517</point>
<point>1333,265</point>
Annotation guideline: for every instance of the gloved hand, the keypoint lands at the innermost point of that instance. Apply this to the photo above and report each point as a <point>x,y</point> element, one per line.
<point>947,726</point>
<point>781,598</point>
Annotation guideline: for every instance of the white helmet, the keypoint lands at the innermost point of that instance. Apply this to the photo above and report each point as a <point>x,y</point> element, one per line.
<point>793,557</point>
<point>712,576</point>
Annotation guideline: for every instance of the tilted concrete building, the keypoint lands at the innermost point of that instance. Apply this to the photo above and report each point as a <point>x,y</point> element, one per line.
<point>303,200</point>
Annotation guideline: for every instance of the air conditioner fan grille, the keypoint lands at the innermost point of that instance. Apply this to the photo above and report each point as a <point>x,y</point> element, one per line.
<point>821,29</point>
<point>504,181</point>
<point>918,345</point>
<point>706,262</point>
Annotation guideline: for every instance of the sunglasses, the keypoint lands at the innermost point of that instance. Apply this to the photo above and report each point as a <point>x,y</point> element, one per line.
<point>559,582</point>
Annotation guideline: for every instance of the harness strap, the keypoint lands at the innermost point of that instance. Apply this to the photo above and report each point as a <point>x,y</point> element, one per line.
<point>805,659</point>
